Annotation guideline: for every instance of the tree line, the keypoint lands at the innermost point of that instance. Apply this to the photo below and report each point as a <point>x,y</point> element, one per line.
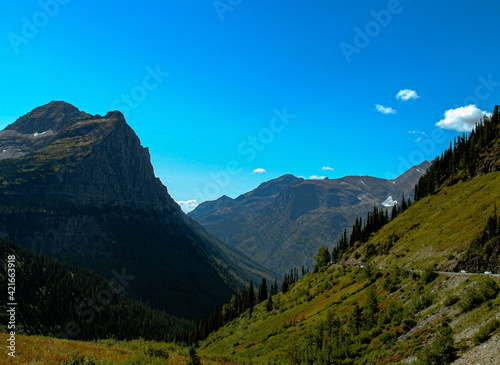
<point>467,157</point>
<point>363,229</point>
<point>487,243</point>
<point>239,304</point>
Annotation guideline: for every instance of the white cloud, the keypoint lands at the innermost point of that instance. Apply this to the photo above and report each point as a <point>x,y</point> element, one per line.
<point>324,168</point>
<point>316,177</point>
<point>418,139</point>
<point>461,119</point>
<point>385,110</point>
<point>188,205</point>
<point>259,171</point>
<point>407,94</point>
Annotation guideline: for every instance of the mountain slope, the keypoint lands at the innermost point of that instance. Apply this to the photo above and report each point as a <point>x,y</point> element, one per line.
<point>283,222</point>
<point>317,318</point>
<point>436,230</point>
<point>85,192</point>
<point>331,317</point>
<point>57,299</point>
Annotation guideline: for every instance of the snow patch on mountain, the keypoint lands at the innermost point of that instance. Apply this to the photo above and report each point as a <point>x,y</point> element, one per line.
<point>389,202</point>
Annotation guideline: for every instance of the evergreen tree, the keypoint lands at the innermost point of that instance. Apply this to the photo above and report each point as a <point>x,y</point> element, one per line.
<point>371,308</point>
<point>404,204</point>
<point>394,211</point>
<point>356,321</point>
<point>251,296</point>
<point>270,305</point>
<point>262,291</point>
<point>322,256</point>
<point>284,286</point>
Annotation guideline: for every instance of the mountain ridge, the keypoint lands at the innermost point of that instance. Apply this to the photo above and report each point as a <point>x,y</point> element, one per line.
<point>274,223</point>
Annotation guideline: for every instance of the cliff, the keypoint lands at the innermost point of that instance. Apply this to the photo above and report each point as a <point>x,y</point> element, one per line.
<point>82,188</point>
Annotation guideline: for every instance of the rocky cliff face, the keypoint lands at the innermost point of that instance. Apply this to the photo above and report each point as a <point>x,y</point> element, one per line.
<point>86,159</point>
<point>282,223</point>
<point>82,188</point>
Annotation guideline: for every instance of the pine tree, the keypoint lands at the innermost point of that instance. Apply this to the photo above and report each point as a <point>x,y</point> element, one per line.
<point>284,286</point>
<point>251,296</point>
<point>270,305</point>
<point>356,321</point>
<point>262,291</point>
<point>322,256</point>
<point>371,308</point>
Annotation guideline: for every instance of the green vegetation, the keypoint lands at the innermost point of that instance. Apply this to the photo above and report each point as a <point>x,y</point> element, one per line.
<point>79,360</point>
<point>435,230</point>
<point>442,350</point>
<point>362,231</point>
<point>487,244</point>
<point>52,351</point>
<point>474,297</point>
<point>322,257</point>
<point>351,315</point>
<point>485,332</point>
<point>65,301</point>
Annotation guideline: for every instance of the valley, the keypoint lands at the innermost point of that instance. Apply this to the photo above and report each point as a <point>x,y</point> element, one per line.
<point>421,287</point>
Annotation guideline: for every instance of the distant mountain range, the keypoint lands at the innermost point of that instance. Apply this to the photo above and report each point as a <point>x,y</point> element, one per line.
<point>282,223</point>
<point>81,187</point>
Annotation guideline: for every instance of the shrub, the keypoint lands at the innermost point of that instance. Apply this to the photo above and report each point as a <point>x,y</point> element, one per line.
<point>484,333</point>
<point>420,302</point>
<point>79,360</point>
<point>442,350</point>
<point>388,337</point>
<point>393,313</point>
<point>470,300</point>
<point>393,280</point>
<point>450,300</point>
<point>156,352</point>
<point>486,290</point>
<point>428,275</point>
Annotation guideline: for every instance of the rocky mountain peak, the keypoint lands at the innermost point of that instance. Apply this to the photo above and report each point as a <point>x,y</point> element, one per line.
<point>54,116</point>
<point>86,158</point>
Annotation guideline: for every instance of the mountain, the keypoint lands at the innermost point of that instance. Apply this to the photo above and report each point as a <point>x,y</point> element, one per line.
<point>282,223</point>
<point>419,291</point>
<point>81,188</point>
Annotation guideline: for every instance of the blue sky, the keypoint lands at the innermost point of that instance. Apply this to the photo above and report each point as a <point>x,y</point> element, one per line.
<point>230,93</point>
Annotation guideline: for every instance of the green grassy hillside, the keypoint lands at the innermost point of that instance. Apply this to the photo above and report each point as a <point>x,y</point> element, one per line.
<point>436,230</point>
<point>412,306</point>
